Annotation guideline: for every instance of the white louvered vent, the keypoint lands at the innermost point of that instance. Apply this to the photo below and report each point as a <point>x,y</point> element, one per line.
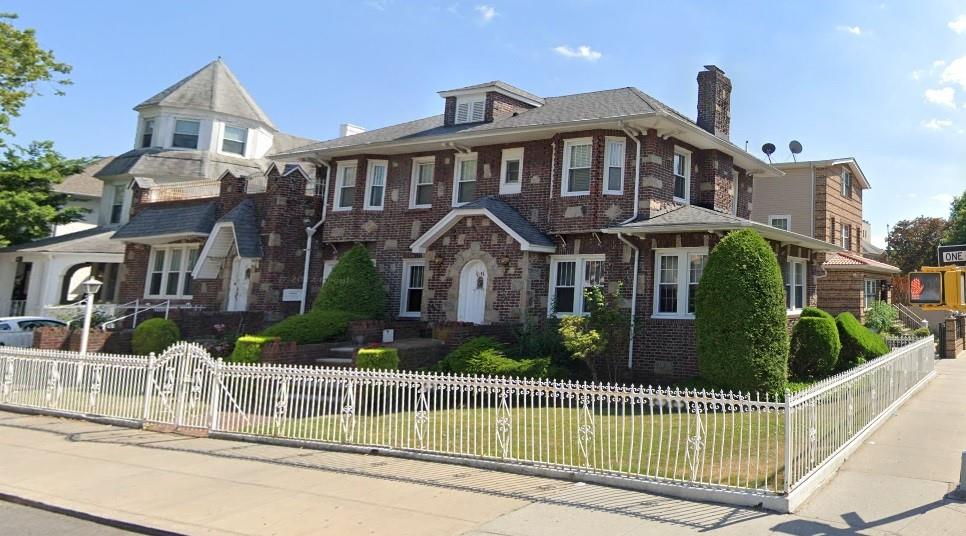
<point>470,109</point>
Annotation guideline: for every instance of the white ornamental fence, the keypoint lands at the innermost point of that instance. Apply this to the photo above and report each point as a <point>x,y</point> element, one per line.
<point>737,448</point>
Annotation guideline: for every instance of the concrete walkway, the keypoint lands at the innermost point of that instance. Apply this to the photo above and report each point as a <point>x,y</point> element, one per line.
<point>894,484</point>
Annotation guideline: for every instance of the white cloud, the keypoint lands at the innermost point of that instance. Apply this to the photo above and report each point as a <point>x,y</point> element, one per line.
<point>938,63</point>
<point>958,25</point>
<point>943,198</point>
<point>937,124</point>
<point>854,30</point>
<point>378,5</point>
<point>582,52</point>
<point>916,75</point>
<point>956,72</point>
<point>945,96</point>
<point>487,13</point>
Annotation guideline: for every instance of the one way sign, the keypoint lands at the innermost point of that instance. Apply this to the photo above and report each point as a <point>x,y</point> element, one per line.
<point>952,255</point>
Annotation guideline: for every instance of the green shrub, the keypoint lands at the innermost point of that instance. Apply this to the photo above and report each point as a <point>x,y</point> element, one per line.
<point>922,332</point>
<point>815,348</point>
<point>154,335</point>
<point>248,348</point>
<point>892,329</point>
<point>313,327</point>
<point>354,286</point>
<point>459,359</point>
<point>881,316</point>
<point>859,344</point>
<point>484,355</point>
<point>741,324</point>
<point>377,358</point>
<point>816,312</point>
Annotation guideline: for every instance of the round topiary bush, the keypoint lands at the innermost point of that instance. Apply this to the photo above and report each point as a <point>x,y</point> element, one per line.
<point>354,286</point>
<point>313,327</point>
<point>816,312</point>
<point>154,335</point>
<point>859,343</point>
<point>815,348</point>
<point>740,320</point>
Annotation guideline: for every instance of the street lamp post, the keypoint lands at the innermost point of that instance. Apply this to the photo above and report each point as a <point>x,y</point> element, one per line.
<point>91,286</point>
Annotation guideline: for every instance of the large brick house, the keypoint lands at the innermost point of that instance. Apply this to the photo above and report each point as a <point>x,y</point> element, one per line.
<point>823,199</point>
<point>499,210</point>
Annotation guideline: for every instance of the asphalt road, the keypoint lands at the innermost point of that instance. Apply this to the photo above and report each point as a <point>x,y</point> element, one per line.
<point>26,521</point>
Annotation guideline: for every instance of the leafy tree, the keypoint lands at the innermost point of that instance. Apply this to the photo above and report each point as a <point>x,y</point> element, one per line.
<point>24,66</point>
<point>598,338</point>
<point>740,319</point>
<point>912,243</point>
<point>354,286</point>
<point>28,208</point>
<point>956,229</point>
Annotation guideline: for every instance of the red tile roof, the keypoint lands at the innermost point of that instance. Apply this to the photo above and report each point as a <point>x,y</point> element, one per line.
<point>847,259</point>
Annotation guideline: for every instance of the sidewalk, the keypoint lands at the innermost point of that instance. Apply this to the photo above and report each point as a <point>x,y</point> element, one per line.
<point>893,485</point>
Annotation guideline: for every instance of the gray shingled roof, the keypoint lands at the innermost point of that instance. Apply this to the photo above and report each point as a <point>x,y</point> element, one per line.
<point>244,219</point>
<point>513,219</point>
<point>213,88</point>
<point>598,105</point>
<point>509,88</point>
<point>95,240</point>
<point>183,164</point>
<point>196,218</point>
<point>686,215</point>
<point>84,183</point>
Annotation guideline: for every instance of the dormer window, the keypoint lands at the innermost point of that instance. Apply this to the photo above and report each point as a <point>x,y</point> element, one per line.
<point>186,134</point>
<point>147,133</point>
<point>234,140</point>
<point>470,109</point>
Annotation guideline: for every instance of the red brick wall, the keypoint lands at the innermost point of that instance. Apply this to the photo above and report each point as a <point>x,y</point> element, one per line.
<point>114,342</point>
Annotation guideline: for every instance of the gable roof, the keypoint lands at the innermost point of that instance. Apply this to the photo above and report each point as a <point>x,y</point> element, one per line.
<point>85,183</point>
<point>845,260</point>
<point>849,161</point>
<point>243,219</point>
<point>95,240</point>
<point>154,222</point>
<point>506,217</point>
<point>212,88</point>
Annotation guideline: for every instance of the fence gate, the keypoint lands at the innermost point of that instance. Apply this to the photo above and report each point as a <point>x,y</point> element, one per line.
<point>182,389</point>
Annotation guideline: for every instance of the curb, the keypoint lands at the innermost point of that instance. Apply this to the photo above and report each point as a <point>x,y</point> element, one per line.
<point>77,514</point>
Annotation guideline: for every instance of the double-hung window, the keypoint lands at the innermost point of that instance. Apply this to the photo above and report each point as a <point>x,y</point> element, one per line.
<point>117,202</point>
<point>682,174</point>
<point>614,165</point>
<point>677,274</point>
<point>780,222</point>
<point>421,192</point>
<point>847,237</point>
<point>872,287</point>
<point>846,183</point>
<point>577,160</point>
<point>511,171</point>
<point>413,283</point>
<point>186,134</point>
<point>345,186</point>
<point>570,276</point>
<point>464,184</point>
<point>376,184</point>
<point>147,133</point>
<point>794,284</point>
<point>234,140</point>
<point>170,271</point>
<point>470,109</point>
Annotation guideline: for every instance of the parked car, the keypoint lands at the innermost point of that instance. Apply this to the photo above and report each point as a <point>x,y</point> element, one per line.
<point>19,330</point>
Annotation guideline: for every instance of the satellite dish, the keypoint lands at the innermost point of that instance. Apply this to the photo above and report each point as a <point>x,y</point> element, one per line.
<point>768,149</point>
<point>795,147</point>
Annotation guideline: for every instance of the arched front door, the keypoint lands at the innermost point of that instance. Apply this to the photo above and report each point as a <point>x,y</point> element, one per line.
<point>472,297</point>
<point>239,284</point>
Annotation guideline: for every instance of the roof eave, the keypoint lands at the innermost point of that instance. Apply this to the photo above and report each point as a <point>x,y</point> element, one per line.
<point>707,140</point>
<point>766,231</point>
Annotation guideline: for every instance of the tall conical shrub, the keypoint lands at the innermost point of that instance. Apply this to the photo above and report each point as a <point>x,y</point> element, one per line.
<point>354,286</point>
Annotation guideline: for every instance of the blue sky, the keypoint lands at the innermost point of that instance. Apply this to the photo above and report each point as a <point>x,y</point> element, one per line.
<point>884,81</point>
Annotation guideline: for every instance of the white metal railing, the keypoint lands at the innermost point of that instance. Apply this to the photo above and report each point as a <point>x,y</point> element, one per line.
<point>712,440</point>
<point>909,317</point>
<point>178,191</point>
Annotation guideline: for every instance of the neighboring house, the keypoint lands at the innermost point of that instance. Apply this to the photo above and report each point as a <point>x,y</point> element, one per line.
<point>502,209</point>
<point>823,199</point>
<point>84,192</point>
<point>869,249</point>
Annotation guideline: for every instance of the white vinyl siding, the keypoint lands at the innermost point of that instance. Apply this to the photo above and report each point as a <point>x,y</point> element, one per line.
<point>345,186</point>
<point>186,132</point>
<point>234,140</point>
<point>470,109</point>
<point>682,175</point>
<point>421,189</point>
<point>570,276</point>
<point>511,171</point>
<point>169,271</point>
<point>464,181</point>
<point>576,167</point>
<point>376,184</point>
<point>677,273</point>
<point>413,284</point>
<point>794,275</point>
<point>614,166</point>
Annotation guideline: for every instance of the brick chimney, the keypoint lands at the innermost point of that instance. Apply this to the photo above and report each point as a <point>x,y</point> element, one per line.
<point>714,101</point>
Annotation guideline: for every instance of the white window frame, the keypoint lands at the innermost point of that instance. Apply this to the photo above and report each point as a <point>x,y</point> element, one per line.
<point>847,184</point>
<point>327,267</point>
<point>790,264</point>
<point>509,155</point>
<point>786,217</point>
<point>183,271</point>
<point>340,168</point>
<point>116,189</point>
<point>734,198</point>
<point>458,178</point>
<point>144,129</point>
<point>565,167</point>
<point>174,132</point>
<point>408,265</point>
<point>846,234</point>
<point>608,140</point>
<point>414,180</point>
<point>224,133</point>
<point>370,168</point>
<point>473,104</point>
<point>580,263</point>
<point>687,176</point>
<point>683,280</point>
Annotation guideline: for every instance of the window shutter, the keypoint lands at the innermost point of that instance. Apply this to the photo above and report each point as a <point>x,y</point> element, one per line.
<point>478,109</point>
<point>462,112</point>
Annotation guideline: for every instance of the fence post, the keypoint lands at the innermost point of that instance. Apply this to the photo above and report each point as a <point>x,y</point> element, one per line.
<point>215,393</point>
<point>148,388</point>
<point>788,441</point>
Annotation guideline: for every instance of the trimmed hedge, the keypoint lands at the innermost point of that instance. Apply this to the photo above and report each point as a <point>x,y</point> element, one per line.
<point>248,348</point>
<point>859,344</point>
<point>154,335</point>
<point>354,286</point>
<point>313,327</point>
<point>484,355</point>
<point>740,319</point>
<point>815,348</point>
<point>922,332</point>
<point>816,312</point>
<point>377,358</point>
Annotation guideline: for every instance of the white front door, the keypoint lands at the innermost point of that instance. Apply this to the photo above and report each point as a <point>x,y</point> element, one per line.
<point>238,286</point>
<point>472,297</point>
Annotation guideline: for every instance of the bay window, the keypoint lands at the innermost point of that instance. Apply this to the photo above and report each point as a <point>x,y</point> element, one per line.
<point>794,275</point>
<point>376,184</point>
<point>169,271</point>
<point>464,188</point>
<point>421,192</point>
<point>577,160</point>
<point>677,274</point>
<point>345,186</point>
<point>570,276</point>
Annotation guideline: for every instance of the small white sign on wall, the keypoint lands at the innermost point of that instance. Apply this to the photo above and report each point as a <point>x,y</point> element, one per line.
<point>291,294</point>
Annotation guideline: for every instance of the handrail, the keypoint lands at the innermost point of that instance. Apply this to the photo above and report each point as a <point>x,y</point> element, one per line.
<point>909,317</point>
<point>137,310</point>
